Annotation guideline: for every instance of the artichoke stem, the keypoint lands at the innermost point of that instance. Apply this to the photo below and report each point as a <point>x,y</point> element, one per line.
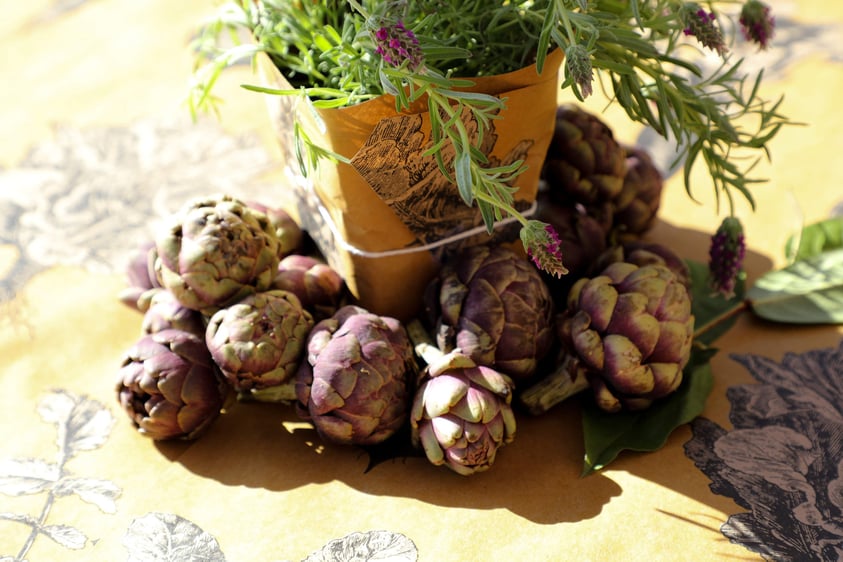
<point>423,343</point>
<point>565,381</point>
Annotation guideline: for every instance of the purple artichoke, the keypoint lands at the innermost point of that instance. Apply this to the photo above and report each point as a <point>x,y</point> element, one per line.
<point>286,228</point>
<point>461,414</point>
<point>493,305</point>
<point>140,275</point>
<point>638,203</point>
<point>161,311</point>
<point>630,330</point>
<point>259,342</point>
<point>317,285</point>
<point>216,252</point>
<point>355,384</point>
<point>169,386</point>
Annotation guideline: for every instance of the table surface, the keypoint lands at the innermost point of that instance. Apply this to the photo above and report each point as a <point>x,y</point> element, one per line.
<point>97,146</point>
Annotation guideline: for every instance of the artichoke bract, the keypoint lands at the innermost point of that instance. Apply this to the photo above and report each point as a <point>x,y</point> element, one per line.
<point>638,203</point>
<point>355,384</point>
<point>491,303</point>
<point>161,311</point>
<point>287,229</point>
<point>317,285</point>
<point>461,414</point>
<point>140,275</point>
<point>630,329</point>
<point>258,342</point>
<point>169,386</point>
<point>216,252</point>
<point>585,164</point>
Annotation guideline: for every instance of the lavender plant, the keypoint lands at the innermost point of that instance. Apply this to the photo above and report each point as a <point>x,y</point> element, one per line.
<point>645,54</point>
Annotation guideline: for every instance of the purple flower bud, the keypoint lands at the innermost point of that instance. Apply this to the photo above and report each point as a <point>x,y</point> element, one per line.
<point>726,255</point>
<point>578,66</point>
<point>756,23</point>
<point>544,247</point>
<point>396,43</point>
<point>702,25</point>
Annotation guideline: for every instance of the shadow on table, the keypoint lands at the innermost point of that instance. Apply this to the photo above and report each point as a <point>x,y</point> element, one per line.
<point>537,477</point>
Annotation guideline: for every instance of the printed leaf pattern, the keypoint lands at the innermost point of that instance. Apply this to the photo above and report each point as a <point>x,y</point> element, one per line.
<point>165,537</point>
<point>81,425</point>
<point>783,459</point>
<point>367,547</point>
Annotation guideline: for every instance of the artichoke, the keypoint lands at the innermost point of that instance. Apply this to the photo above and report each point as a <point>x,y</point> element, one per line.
<point>461,414</point>
<point>640,252</point>
<point>638,203</point>
<point>630,330</point>
<point>217,252</point>
<point>161,311</point>
<point>582,241</point>
<point>169,386</point>
<point>317,285</point>
<point>492,304</point>
<point>259,342</point>
<point>140,275</point>
<point>287,229</point>
<point>355,384</point>
<point>585,164</point>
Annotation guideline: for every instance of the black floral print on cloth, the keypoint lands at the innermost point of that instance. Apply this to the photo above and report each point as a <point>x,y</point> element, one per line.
<point>783,459</point>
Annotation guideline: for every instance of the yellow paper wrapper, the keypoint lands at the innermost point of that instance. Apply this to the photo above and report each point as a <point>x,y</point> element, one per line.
<point>382,220</point>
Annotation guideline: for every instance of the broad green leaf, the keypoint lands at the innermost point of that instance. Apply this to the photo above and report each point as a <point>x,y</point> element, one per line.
<point>606,435</point>
<point>708,306</point>
<point>815,239</point>
<point>809,291</point>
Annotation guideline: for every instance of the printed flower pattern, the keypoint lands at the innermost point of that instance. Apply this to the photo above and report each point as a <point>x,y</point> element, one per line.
<point>86,195</point>
<point>783,461</point>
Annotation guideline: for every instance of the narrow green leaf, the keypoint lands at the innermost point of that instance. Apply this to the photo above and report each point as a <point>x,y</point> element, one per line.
<point>462,170</point>
<point>816,238</point>
<point>606,435</point>
<point>809,291</point>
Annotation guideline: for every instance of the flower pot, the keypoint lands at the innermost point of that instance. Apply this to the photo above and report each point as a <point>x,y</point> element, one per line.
<point>384,220</point>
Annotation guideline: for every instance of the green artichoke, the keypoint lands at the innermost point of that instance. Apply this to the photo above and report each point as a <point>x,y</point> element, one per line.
<point>317,285</point>
<point>258,342</point>
<point>630,329</point>
<point>492,304</point>
<point>461,414</point>
<point>216,252</point>
<point>640,253</point>
<point>355,384</point>
<point>169,386</point>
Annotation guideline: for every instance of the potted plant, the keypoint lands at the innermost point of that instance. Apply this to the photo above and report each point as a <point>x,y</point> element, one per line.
<point>389,112</point>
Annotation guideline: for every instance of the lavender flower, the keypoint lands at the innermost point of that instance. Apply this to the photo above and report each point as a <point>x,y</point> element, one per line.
<point>544,247</point>
<point>578,65</point>
<point>726,256</point>
<point>396,43</point>
<point>756,23</point>
<point>702,25</point>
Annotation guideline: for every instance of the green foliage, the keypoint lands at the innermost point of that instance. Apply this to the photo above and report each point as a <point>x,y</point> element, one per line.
<point>712,311</point>
<point>816,238</point>
<point>638,49</point>
<point>809,291</point>
<point>606,435</point>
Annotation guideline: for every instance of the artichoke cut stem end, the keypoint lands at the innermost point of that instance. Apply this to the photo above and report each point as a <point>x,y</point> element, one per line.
<point>565,381</point>
<point>423,343</point>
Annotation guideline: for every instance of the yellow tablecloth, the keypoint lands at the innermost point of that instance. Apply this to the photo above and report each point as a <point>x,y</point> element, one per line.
<point>97,145</point>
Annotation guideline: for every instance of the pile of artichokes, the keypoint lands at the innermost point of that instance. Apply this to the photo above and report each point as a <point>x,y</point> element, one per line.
<point>238,306</point>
